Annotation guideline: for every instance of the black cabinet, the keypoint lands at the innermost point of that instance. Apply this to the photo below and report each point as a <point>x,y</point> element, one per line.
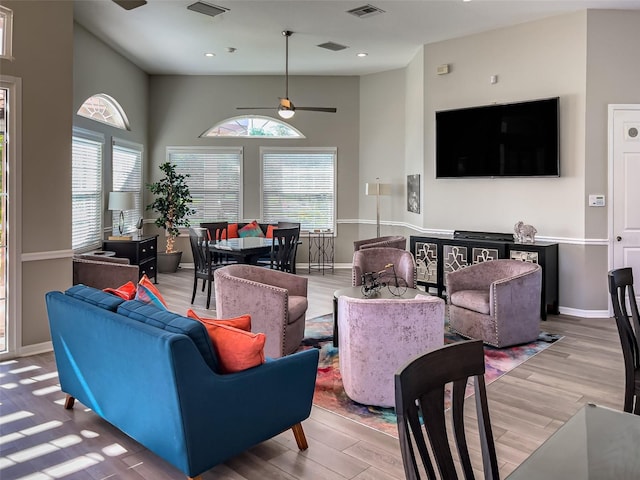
<point>437,255</point>
<point>141,251</point>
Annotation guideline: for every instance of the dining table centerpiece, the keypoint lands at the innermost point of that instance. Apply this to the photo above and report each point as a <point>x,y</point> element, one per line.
<point>172,203</point>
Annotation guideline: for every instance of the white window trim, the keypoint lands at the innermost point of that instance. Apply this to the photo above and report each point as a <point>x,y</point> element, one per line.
<point>299,134</point>
<point>7,34</point>
<point>304,150</point>
<point>14,234</point>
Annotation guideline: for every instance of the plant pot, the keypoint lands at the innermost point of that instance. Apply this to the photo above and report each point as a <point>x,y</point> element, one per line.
<point>168,262</point>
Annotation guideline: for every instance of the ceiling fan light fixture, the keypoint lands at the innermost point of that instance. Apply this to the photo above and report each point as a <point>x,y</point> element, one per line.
<point>285,113</point>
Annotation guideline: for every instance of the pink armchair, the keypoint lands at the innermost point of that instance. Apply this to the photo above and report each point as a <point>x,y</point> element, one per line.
<point>378,336</point>
<point>395,241</point>
<point>276,301</point>
<point>497,302</point>
<point>375,260</point>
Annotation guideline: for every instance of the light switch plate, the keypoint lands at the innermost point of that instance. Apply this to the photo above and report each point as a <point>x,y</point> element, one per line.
<point>596,201</point>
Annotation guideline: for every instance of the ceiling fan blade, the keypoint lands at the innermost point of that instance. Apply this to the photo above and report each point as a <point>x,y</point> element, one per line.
<point>319,109</point>
<point>256,108</point>
<point>130,4</point>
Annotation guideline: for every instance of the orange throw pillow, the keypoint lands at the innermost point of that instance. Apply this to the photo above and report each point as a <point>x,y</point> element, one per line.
<point>270,231</point>
<point>243,322</point>
<point>237,350</point>
<point>126,291</point>
<point>232,231</point>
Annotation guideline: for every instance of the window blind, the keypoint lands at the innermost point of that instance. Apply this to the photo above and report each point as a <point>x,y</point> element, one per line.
<point>127,177</point>
<point>215,181</point>
<point>299,185</point>
<point>86,198</point>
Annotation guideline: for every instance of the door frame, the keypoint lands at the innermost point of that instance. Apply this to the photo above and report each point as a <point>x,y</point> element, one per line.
<point>14,261</point>
<point>612,108</point>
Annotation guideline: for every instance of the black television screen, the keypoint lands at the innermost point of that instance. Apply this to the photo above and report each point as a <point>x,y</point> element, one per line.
<point>507,140</point>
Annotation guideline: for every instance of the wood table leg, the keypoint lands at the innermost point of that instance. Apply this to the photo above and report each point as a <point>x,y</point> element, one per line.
<point>298,433</point>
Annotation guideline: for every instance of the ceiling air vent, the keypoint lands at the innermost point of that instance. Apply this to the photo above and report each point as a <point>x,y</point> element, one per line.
<point>207,8</point>
<point>335,47</point>
<point>365,11</point>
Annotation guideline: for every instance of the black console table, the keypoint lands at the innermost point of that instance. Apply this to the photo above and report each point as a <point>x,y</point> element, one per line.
<point>437,255</point>
<point>141,251</point>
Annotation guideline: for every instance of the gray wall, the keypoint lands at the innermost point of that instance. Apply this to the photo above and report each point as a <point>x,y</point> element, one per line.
<point>43,51</point>
<point>588,60</point>
<point>183,107</point>
<point>99,69</point>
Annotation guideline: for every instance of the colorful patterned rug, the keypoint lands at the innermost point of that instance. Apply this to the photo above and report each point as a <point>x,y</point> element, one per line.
<point>330,395</point>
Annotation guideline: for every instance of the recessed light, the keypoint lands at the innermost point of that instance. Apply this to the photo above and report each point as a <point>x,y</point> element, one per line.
<point>361,54</point>
<point>209,54</point>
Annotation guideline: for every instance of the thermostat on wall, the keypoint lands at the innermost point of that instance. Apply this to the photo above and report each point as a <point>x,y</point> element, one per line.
<point>596,201</point>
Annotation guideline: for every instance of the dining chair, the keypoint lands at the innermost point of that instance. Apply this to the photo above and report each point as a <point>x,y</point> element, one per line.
<point>218,231</point>
<point>202,262</point>
<point>420,410</point>
<point>284,249</point>
<point>623,294</point>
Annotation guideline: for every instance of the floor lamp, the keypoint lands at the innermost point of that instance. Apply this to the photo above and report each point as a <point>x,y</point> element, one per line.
<point>377,189</point>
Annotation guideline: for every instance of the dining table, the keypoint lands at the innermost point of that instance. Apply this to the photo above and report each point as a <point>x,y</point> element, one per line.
<point>596,443</point>
<point>245,249</point>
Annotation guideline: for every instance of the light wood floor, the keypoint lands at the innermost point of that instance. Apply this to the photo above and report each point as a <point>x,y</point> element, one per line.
<point>41,440</point>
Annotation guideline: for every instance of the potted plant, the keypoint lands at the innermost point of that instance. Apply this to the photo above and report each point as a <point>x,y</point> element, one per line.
<point>172,204</point>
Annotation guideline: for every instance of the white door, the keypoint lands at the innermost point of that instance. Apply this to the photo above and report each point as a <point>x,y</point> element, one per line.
<point>624,160</point>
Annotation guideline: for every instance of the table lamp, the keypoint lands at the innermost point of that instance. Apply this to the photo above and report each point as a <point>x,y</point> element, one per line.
<point>377,189</point>
<point>121,201</point>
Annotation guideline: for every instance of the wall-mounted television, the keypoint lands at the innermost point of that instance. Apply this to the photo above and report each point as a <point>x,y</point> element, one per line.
<point>506,140</point>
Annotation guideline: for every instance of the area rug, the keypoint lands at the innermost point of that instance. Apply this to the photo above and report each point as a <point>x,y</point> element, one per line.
<point>330,395</point>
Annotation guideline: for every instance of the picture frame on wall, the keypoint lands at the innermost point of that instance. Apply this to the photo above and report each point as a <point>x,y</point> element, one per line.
<point>413,193</point>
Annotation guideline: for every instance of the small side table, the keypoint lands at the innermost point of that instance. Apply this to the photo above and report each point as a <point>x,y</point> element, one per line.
<point>321,250</point>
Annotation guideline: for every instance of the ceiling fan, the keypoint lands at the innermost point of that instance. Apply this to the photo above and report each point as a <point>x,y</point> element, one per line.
<point>286,109</point>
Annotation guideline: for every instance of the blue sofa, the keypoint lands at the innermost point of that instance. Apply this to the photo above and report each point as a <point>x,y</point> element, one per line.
<point>154,375</point>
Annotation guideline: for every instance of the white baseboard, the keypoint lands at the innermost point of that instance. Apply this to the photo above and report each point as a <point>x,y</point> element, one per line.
<point>35,349</point>
<point>575,312</point>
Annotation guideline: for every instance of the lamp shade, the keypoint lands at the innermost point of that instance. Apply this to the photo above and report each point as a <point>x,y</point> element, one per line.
<point>121,201</point>
<point>377,188</point>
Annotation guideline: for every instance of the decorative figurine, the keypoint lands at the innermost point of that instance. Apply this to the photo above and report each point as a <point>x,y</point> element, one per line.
<point>524,233</point>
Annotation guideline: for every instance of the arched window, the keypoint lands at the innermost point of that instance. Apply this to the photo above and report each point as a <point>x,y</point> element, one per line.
<point>105,109</point>
<point>252,126</point>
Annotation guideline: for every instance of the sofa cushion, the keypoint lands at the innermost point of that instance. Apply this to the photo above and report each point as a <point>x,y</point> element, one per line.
<point>251,230</point>
<point>476,300</point>
<point>95,297</point>
<point>237,349</point>
<point>148,293</point>
<point>232,231</point>
<point>172,322</point>
<point>270,229</point>
<point>297,307</point>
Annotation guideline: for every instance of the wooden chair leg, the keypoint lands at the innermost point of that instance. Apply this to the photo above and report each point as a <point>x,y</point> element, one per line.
<point>68,402</point>
<point>298,433</point>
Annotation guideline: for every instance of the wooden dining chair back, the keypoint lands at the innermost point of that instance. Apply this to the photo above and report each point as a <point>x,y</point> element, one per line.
<point>202,263</point>
<point>218,231</point>
<point>420,389</point>
<point>283,251</point>
<point>628,323</point>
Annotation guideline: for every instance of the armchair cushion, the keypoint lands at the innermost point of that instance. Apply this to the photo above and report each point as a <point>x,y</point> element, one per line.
<point>476,300</point>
